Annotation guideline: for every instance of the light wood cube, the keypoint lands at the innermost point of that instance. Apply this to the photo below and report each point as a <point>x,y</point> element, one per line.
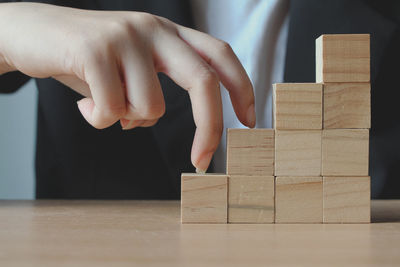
<point>345,152</point>
<point>347,105</point>
<point>298,200</point>
<point>298,153</point>
<point>297,106</point>
<point>251,199</point>
<point>250,152</point>
<point>204,198</point>
<point>343,58</point>
<point>347,199</point>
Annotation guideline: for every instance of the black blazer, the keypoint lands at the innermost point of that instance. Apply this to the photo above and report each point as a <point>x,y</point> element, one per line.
<point>74,160</point>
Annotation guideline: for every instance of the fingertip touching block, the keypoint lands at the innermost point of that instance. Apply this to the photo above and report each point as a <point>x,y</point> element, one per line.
<point>250,152</point>
<point>204,198</point>
<point>347,105</point>
<point>345,152</point>
<point>298,153</point>
<point>297,106</point>
<point>343,58</point>
<point>251,199</point>
<point>347,199</point>
<point>298,200</point>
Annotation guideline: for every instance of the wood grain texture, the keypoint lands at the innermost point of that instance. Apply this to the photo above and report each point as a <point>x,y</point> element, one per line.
<point>298,153</point>
<point>347,199</point>
<point>298,199</point>
<point>343,58</point>
<point>297,106</point>
<point>345,152</point>
<point>251,199</point>
<point>250,152</point>
<point>204,198</point>
<point>124,233</point>
<point>347,105</point>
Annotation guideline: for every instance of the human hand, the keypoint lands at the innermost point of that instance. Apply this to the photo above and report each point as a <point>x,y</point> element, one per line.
<point>113,57</point>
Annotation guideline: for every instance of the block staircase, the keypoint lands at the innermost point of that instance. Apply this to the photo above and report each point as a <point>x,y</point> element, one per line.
<point>313,166</point>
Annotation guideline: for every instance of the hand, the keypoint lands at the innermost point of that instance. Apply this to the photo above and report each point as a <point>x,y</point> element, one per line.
<point>112,58</point>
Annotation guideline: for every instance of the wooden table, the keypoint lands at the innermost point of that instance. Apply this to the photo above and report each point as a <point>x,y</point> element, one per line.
<point>149,233</point>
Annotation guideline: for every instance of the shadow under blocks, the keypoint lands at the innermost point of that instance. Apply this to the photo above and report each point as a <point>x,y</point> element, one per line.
<point>312,167</point>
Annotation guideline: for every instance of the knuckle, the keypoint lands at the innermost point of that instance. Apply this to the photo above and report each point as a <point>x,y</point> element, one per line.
<point>118,30</point>
<point>118,27</point>
<point>224,48</point>
<point>208,78</point>
<point>164,20</point>
<point>167,25</point>
<point>149,21</point>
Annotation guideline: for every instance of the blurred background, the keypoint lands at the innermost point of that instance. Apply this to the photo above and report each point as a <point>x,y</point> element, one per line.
<point>17,143</point>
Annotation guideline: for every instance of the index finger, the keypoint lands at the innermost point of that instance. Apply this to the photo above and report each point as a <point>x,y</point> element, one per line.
<point>183,65</point>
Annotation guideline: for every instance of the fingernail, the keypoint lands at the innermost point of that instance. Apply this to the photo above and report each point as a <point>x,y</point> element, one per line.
<point>251,116</point>
<point>200,171</point>
<point>78,102</point>
<point>127,125</point>
<point>124,123</point>
<point>204,162</point>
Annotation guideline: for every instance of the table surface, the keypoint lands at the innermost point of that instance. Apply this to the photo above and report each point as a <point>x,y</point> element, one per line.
<point>149,233</point>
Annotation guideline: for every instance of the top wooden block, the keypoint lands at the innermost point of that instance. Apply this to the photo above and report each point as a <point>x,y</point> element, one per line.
<point>343,58</point>
<point>297,106</point>
<point>250,152</point>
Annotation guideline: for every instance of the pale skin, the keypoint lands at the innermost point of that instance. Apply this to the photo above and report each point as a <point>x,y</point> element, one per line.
<point>112,58</point>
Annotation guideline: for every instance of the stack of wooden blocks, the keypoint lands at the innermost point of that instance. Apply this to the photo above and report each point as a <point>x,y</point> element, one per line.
<point>313,166</point>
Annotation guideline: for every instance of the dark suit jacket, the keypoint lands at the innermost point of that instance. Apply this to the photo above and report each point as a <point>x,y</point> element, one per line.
<point>74,160</point>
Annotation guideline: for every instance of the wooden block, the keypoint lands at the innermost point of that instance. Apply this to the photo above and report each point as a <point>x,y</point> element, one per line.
<point>298,200</point>
<point>204,198</point>
<point>251,199</point>
<point>298,153</point>
<point>347,199</point>
<point>347,105</point>
<point>343,58</point>
<point>345,152</point>
<point>250,152</point>
<point>297,106</point>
